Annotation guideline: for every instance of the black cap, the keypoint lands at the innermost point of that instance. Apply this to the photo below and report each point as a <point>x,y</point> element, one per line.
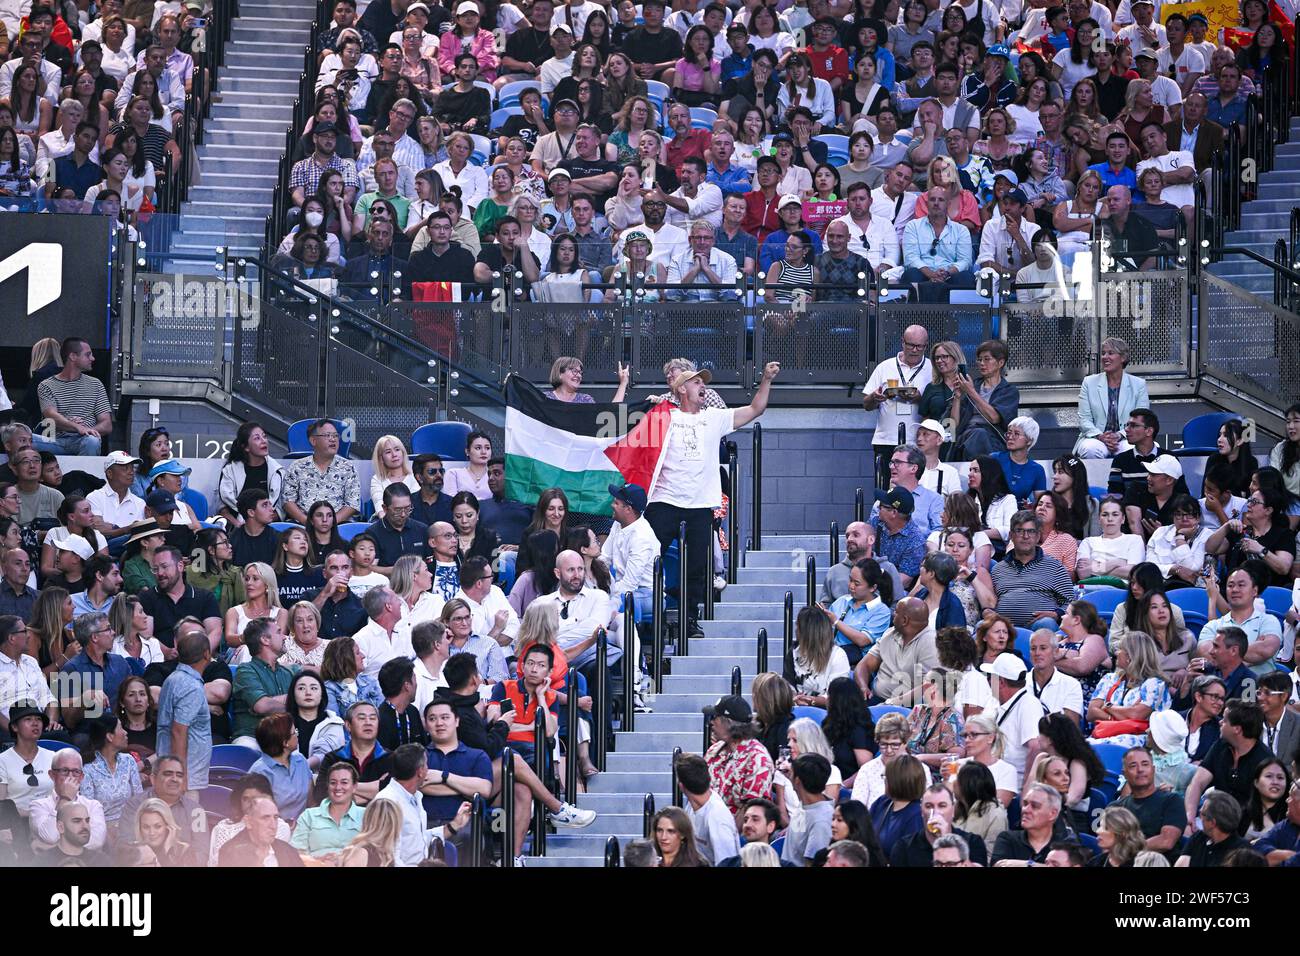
<point>27,708</point>
<point>630,494</point>
<point>734,708</point>
<point>900,499</point>
<point>325,127</point>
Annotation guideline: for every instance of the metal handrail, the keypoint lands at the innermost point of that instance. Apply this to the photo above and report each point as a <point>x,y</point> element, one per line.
<point>761,664</point>
<point>675,791</point>
<point>733,512</point>
<point>657,650</point>
<point>631,665</point>
<point>570,740</point>
<point>612,859</point>
<point>539,768</point>
<point>600,703</point>
<point>647,815</point>
<point>507,807</point>
<point>756,488</point>
<point>685,608</point>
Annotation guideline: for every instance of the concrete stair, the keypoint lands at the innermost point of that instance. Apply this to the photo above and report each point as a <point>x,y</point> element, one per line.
<point>244,134</point>
<point>641,762</point>
<point>1264,221</point>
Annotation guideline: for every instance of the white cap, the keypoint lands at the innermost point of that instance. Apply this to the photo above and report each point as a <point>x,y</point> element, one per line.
<point>1165,465</point>
<point>468,6</point>
<point>119,458</point>
<point>931,425</point>
<point>562,28</point>
<point>789,199</point>
<point>1168,730</point>
<point>77,545</point>
<point>1006,666</point>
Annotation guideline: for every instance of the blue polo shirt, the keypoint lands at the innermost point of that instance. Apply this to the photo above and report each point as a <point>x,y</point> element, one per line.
<point>80,178</point>
<point>290,786</point>
<point>342,618</point>
<point>463,761</point>
<point>1125,177</point>
<point>107,677</point>
<point>734,181</point>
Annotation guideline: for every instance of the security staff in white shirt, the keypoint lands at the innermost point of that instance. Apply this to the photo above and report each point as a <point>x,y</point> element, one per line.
<point>631,548</point>
<point>894,388</point>
<point>1018,713</point>
<point>492,614</point>
<point>1057,691</point>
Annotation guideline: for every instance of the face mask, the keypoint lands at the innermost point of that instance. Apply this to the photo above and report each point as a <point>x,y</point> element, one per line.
<point>314,219</point>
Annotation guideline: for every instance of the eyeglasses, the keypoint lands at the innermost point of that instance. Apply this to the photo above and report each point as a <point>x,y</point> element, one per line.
<point>401,511</point>
<point>934,246</point>
<point>435,471</point>
<point>978,733</point>
<point>1025,532</point>
<point>460,619</point>
<point>69,771</point>
<point>1218,697</point>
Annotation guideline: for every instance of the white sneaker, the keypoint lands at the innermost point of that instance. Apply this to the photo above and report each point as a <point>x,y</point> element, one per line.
<point>519,863</point>
<point>719,582</point>
<point>570,816</point>
<point>639,703</point>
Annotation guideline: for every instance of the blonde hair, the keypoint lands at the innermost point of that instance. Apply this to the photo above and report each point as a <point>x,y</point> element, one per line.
<point>1011,123</point>
<point>1129,839</point>
<point>540,625</point>
<point>315,612</point>
<point>381,828</point>
<point>562,365</point>
<point>44,352</point>
<point>809,738</point>
<point>402,580</point>
<point>949,348</point>
<point>377,459</point>
<point>267,574</point>
<point>1143,659</point>
<point>986,725</point>
<point>759,854</point>
<point>156,805</point>
<point>950,173</point>
<point>893,725</point>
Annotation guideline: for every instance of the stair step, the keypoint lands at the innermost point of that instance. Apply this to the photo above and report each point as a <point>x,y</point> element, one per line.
<point>228,197</point>
<point>789,560</point>
<point>261,68</point>
<point>253,110</point>
<point>240,83</point>
<point>229,180</point>
<point>271,139</point>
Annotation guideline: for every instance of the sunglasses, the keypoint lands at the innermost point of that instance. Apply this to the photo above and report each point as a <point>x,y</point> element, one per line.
<point>31,776</point>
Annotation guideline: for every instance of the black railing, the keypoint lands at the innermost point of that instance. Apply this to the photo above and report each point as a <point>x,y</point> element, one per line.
<point>707,735</point>
<point>507,807</point>
<point>648,815</point>
<point>761,665</point>
<point>810,582</point>
<point>835,540</point>
<point>631,666</point>
<point>737,681</point>
<point>571,741</point>
<point>600,702</point>
<point>657,650</point>
<point>756,489</point>
<point>859,505</point>
<point>477,831</point>
<point>612,857</point>
<point>787,637</point>
<point>539,768</point>
<point>733,512</point>
<point>674,790</point>
<point>685,607</point>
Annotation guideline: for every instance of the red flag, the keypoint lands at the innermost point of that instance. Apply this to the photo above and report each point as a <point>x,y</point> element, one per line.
<point>637,453</point>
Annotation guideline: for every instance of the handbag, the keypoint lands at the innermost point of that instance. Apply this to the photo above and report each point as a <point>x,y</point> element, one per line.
<point>1113,728</point>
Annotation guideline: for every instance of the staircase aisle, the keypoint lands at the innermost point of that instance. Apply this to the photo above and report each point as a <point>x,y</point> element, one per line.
<point>244,135</point>
<point>1265,220</point>
<point>641,763</point>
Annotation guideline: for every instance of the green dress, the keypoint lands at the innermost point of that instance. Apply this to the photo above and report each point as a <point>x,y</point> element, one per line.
<point>227,585</point>
<point>137,575</point>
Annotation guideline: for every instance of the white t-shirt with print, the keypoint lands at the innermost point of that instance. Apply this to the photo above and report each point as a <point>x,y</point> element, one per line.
<point>687,473</point>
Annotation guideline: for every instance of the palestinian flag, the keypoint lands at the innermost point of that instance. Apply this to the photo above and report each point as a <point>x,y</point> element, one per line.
<point>581,449</point>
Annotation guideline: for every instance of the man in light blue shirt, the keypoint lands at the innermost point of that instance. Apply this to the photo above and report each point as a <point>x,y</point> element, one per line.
<point>937,251</point>
<point>184,721</point>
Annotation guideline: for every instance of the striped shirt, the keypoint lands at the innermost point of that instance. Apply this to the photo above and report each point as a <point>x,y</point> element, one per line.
<point>82,400</point>
<point>1027,590</point>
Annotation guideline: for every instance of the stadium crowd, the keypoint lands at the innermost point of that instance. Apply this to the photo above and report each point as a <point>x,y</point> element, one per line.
<point>572,143</point>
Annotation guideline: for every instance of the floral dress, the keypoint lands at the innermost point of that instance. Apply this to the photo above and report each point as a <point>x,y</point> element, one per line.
<point>1116,691</point>
<point>112,789</point>
<point>741,773</point>
<point>934,732</point>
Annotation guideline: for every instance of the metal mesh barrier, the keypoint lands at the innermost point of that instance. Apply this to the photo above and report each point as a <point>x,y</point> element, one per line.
<point>278,358</point>
<point>712,334</point>
<point>1044,345</point>
<point>180,325</point>
<point>376,401</point>
<point>468,333</point>
<point>1249,344</point>
<point>824,342</point>
<point>967,325</point>
<point>1149,311</point>
<point>541,333</point>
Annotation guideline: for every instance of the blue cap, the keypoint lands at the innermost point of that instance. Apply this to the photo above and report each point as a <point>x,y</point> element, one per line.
<point>168,466</point>
<point>161,502</point>
<point>999,49</point>
<point>633,496</point>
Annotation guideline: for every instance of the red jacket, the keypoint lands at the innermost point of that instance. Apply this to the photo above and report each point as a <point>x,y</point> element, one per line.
<point>60,35</point>
<point>761,219</point>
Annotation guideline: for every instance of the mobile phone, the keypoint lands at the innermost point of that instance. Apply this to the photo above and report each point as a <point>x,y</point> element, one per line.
<point>507,706</point>
<point>961,369</point>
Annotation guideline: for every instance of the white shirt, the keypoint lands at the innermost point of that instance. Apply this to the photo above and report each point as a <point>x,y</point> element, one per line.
<point>54,145</point>
<point>630,553</point>
<point>996,245</point>
<point>1062,692</point>
<point>722,264</point>
<point>686,474</point>
<point>1071,72</point>
<point>379,648</point>
<point>1005,776</point>
<point>579,618</point>
<point>484,615</point>
<point>22,680</point>
<point>553,71</point>
<point>95,31</point>
<point>974,691</point>
<point>815,685</point>
<point>666,244</point>
<point>869,784</point>
<point>171,91</point>
<point>1019,718</point>
<point>406,153</point>
<point>1165,92</point>
<point>119,64</point>
<point>893,410</point>
<point>428,607</point>
<point>473,182</point>
<point>951,479</point>
<point>151,651</point>
<point>715,829</point>
<point>413,845</point>
<point>12,776</point>
<point>897,211</point>
<point>1235,508</point>
<point>426,685</point>
<point>119,512</point>
<point>359,584</point>
<point>990,14</point>
<point>1162,551</point>
<point>706,205</point>
<point>1127,548</point>
<point>881,245</point>
<point>574,16</point>
<point>1179,194</point>
<point>1130,34</point>
<point>51,74</point>
<point>1188,62</point>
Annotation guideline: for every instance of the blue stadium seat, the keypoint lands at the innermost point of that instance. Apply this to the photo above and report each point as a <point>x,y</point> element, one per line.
<point>703,118</point>
<point>815,714</point>
<point>1279,666</point>
<point>444,439</point>
<point>482,150</point>
<point>234,757</point>
<point>1022,644</point>
<point>279,527</point>
<point>300,447</point>
<point>1195,605</point>
<point>1112,758</point>
<point>1106,600</point>
<point>1277,601</point>
<point>837,148</point>
<point>1202,432</point>
<point>508,95</point>
<point>657,94</point>
<point>672,569</point>
<point>197,501</point>
<point>499,117</point>
<point>350,529</point>
<point>879,710</point>
<point>1090,843</point>
<point>54,745</point>
<point>215,799</point>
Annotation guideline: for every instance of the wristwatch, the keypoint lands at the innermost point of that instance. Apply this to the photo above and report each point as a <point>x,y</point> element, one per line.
<point>445,775</point>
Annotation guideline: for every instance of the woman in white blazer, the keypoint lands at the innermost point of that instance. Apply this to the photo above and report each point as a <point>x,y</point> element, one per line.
<point>250,449</point>
<point>1101,427</point>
